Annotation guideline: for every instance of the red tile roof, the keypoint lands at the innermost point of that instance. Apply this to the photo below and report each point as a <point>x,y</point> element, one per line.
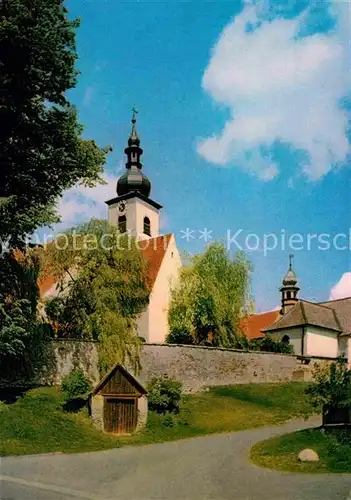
<point>253,325</point>
<point>153,250</point>
<point>153,253</point>
<point>47,277</point>
<point>45,283</point>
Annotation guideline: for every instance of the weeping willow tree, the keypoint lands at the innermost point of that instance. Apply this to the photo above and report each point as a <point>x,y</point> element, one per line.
<point>102,288</point>
<point>212,296</point>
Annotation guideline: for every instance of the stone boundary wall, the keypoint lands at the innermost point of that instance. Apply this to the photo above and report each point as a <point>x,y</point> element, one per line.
<point>196,367</point>
<point>200,367</point>
<point>62,356</point>
<point>70,354</point>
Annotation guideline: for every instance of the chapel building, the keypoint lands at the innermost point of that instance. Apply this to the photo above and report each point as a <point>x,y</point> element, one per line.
<point>312,328</point>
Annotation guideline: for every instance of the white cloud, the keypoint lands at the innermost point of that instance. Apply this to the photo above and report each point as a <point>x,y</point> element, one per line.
<point>81,203</point>
<point>342,288</point>
<point>279,87</point>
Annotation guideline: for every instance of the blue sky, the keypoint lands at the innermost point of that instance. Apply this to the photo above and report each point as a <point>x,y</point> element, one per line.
<point>243,117</point>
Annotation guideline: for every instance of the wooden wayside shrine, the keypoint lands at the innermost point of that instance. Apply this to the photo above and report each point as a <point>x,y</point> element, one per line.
<point>115,402</point>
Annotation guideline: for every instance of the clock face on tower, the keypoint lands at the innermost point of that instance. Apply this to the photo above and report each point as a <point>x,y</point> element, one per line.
<point>121,206</point>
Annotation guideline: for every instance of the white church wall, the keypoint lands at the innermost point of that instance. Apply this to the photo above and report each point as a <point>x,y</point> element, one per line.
<point>136,210</point>
<point>295,338</point>
<point>321,342</point>
<point>112,215</point>
<point>343,347</point>
<point>160,296</point>
<point>131,214</point>
<point>143,325</point>
<point>142,210</point>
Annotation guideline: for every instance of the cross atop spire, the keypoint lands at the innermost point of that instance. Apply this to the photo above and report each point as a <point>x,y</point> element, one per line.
<point>291,256</point>
<point>133,138</point>
<point>135,112</point>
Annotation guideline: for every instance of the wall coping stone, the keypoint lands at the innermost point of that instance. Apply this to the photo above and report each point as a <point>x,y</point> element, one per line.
<point>215,348</point>
<point>77,341</point>
<point>229,349</point>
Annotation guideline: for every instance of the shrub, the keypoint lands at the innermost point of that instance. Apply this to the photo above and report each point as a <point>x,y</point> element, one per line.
<point>164,395</point>
<point>168,420</point>
<point>342,435</point>
<point>179,337</point>
<point>268,344</point>
<point>242,342</point>
<point>331,386</point>
<point>75,384</point>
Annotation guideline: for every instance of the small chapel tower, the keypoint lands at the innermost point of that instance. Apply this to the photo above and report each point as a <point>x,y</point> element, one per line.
<point>289,289</point>
<point>133,211</point>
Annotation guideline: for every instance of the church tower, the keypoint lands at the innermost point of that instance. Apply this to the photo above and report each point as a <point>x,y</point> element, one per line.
<point>289,289</point>
<point>133,211</point>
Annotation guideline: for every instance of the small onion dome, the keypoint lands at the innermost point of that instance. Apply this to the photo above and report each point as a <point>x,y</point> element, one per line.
<point>133,138</point>
<point>290,278</point>
<point>133,180</point>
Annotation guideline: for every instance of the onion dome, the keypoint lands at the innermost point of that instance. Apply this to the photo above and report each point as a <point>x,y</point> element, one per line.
<point>133,179</point>
<point>290,277</point>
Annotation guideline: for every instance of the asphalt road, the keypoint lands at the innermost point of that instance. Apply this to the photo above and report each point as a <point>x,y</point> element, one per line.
<point>208,468</point>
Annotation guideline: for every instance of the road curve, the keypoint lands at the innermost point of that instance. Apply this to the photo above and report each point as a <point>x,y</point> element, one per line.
<point>207,468</point>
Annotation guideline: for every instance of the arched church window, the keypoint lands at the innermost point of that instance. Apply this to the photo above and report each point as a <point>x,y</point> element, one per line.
<point>286,339</point>
<point>147,226</point>
<point>122,224</point>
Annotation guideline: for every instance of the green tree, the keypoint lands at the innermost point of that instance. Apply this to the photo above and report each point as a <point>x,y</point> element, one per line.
<point>42,152</point>
<point>103,289</point>
<point>212,295</point>
<point>331,385</point>
<point>22,336</point>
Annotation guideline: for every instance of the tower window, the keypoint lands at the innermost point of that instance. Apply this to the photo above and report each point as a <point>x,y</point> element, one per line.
<point>122,224</point>
<point>147,226</point>
<point>288,295</point>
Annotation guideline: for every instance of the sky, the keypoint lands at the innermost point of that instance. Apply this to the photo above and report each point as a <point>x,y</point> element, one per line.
<point>244,118</point>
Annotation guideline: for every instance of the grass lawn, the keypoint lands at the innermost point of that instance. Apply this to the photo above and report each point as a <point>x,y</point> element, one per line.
<point>36,423</point>
<point>332,446</point>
